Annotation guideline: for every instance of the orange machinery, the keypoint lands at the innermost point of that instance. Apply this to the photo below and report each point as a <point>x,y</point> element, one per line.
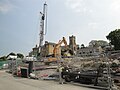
<point>57,47</point>
<point>56,51</point>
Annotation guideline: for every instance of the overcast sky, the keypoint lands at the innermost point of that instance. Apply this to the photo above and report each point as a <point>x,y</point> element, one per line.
<point>86,19</point>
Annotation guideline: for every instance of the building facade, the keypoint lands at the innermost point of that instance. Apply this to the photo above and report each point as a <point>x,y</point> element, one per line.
<point>47,49</point>
<point>89,51</point>
<point>34,51</point>
<point>72,44</point>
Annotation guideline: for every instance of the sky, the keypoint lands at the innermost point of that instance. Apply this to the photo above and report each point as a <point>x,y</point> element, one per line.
<point>86,19</point>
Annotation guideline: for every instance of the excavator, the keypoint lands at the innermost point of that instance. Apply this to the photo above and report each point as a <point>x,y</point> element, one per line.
<point>56,51</point>
<point>57,47</point>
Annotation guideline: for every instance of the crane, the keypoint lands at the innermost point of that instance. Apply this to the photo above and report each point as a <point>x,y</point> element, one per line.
<point>43,28</point>
<point>43,25</point>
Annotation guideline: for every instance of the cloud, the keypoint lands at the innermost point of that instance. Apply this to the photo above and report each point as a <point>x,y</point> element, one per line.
<point>6,6</point>
<point>78,6</point>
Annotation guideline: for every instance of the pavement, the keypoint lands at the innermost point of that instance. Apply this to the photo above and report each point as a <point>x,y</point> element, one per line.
<point>8,82</point>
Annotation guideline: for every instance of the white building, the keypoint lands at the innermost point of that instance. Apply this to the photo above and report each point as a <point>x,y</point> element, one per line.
<point>12,57</point>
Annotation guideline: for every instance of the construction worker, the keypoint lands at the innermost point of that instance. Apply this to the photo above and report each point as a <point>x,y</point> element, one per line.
<point>18,71</point>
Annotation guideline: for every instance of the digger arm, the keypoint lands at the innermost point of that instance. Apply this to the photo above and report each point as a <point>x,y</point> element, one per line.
<point>58,45</point>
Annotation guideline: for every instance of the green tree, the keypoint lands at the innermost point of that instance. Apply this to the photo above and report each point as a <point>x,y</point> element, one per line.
<point>3,58</point>
<point>114,38</point>
<point>82,46</point>
<point>19,55</point>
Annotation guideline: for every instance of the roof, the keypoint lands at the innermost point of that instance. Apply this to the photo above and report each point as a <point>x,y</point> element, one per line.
<point>11,57</point>
<point>50,43</point>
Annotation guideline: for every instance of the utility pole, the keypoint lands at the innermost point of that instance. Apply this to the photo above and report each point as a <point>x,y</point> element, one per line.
<point>109,73</point>
<point>43,25</point>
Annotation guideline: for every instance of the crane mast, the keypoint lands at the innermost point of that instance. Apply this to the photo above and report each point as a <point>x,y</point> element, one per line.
<point>43,25</point>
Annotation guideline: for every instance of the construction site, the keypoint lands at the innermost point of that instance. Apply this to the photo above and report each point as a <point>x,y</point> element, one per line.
<point>92,68</point>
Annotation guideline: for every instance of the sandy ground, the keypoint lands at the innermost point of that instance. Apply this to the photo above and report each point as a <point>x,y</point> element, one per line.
<point>8,82</point>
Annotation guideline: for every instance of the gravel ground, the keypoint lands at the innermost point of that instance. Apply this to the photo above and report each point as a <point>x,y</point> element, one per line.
<point>8,82</point>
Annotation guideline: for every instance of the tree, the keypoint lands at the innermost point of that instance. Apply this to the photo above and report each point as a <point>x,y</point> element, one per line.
<point>114,38</point>
<point>3,58</point>
<point>19,55</point>
<point>82,46</point>
<point>12,54</point>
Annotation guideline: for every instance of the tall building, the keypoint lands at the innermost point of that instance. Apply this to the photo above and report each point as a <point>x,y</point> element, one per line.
<point>72,44</point>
